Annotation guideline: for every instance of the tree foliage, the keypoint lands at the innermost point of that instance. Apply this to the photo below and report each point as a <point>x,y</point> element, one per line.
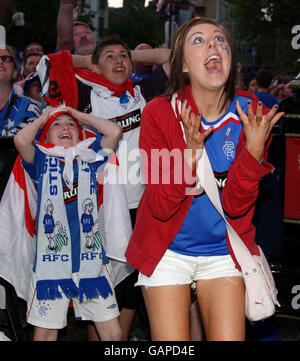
<point>266,25</point>
<point>40,22</point>
<point>138,25</point>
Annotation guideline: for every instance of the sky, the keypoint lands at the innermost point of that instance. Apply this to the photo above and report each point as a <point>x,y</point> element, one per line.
<point>115,3</point>
<point>119,3</point>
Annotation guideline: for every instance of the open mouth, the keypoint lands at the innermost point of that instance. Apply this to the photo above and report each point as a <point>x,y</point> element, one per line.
<point>84,41</point>
<point>213,63</point>
<point>65,136</point>
<point>119,70</point>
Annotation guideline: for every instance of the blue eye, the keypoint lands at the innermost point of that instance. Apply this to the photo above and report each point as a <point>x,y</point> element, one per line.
<point>198,40</point>
<point>220,38</point>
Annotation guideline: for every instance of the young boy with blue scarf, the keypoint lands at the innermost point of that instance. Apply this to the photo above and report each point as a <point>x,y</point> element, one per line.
<point>64,169</point>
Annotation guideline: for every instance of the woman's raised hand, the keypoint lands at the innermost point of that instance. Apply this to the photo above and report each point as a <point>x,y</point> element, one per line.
<point>257,127</point>
<point>193,137</point>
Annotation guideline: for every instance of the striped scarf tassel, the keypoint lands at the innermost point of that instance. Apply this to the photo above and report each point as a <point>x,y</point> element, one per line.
<point>48,289</point>
<point>94,287</point>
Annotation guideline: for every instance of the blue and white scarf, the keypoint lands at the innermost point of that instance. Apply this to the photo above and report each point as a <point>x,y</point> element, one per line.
<point>53,265</point>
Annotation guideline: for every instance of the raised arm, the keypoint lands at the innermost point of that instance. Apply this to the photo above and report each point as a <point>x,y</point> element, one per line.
<point>25,138</point>
<point>111,131</point>
<point>65,25</point>
<point>168,175</point>
<point>157,56</point>
<point>82,61</point>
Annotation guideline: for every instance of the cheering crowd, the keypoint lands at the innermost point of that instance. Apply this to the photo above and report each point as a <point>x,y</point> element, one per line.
<point>97,227</point>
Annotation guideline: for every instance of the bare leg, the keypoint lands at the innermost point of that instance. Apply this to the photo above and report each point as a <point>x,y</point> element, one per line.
<point>222,307</point>
<point>126,319</point>
<point>92,333</point>
<point>196,326</point>
<point>44,334</point>
<point>168,309</point>
<point>109,330</point>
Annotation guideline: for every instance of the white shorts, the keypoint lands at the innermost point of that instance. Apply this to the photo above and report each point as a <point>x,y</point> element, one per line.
<point>178,269</point>
<point>52,314</point>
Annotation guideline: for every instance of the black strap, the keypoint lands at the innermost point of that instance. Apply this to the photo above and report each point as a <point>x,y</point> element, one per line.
<point>11,104</point>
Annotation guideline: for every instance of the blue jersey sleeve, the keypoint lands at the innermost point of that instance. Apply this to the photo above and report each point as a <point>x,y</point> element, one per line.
<point>35,169</point>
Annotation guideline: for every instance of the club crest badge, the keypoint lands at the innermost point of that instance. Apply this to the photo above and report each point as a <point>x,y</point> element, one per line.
<point>228,145</point>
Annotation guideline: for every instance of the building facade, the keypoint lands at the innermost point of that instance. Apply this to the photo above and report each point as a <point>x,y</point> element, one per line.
<point>100,21</point>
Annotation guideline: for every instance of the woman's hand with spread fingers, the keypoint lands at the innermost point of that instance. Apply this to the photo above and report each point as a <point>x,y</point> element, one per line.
<point>257,127</point>
<point>194,138</point>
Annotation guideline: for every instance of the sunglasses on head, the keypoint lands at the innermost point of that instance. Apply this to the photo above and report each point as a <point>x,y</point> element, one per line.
<point>6,58</point>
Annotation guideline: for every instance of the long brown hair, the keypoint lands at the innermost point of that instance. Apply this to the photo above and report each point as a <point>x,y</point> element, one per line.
<point>178,79</point>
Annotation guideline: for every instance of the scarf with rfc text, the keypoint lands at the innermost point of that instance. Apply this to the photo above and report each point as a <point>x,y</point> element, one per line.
<point>20,252</point>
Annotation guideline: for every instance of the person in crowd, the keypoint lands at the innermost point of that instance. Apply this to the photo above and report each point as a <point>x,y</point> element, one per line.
<point>64,269</point>
<point>30,86</point>
<point>72,34</point>
<point>252,88</point>
<point>31,61</point>
<point>179,237</point>
<point>110,93</point>
<point>264,79</point>
<point>16,112</point>
<point>281,91</point>
<point>28,63</point>
<point>34,47</point>
<point>245,73</point>
<point>141,70</point>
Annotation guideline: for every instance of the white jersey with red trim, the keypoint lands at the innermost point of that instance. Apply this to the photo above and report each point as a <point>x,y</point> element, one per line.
<point>128,116</point>
<point>99,101</point>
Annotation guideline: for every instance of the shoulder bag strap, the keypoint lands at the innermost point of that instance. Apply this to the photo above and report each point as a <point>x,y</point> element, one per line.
<point>208,183</point>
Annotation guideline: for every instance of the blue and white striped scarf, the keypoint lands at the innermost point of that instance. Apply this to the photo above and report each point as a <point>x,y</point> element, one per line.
<point>53,262</point>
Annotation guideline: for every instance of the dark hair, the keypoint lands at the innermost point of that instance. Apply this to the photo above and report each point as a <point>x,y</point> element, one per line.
<point>178,79</point>
<point>28,51</point>
<point>111,40</point>
<point>29,55</point>
<point>264,78</point>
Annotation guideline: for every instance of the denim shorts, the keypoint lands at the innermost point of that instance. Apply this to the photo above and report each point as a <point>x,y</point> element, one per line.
<point>178,269</point>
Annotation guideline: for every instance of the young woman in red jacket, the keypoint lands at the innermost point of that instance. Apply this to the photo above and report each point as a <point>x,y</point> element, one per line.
<point>179,237</point>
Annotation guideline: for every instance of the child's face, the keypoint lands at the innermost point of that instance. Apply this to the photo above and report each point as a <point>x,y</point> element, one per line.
<point>63,131</point>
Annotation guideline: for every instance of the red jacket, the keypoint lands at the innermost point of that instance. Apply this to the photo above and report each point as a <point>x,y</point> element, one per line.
<point>163,207</point>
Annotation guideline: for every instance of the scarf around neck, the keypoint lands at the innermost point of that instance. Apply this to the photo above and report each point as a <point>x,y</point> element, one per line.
<point>117,90</point>
<point>53,265</point>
